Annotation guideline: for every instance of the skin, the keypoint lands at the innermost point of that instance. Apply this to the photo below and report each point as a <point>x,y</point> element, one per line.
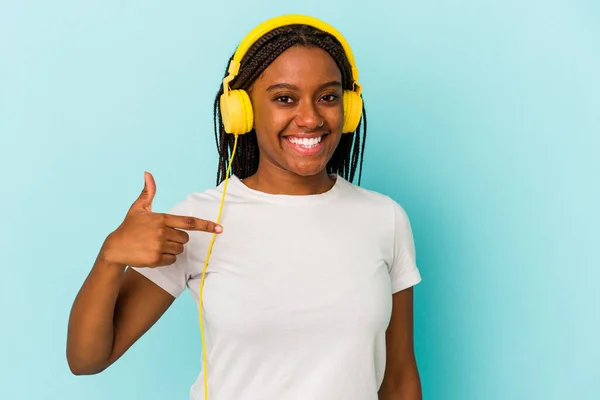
<point>299,95</point>
<point>115,306</point>
<point>300,90</point>
<point>401,380</point>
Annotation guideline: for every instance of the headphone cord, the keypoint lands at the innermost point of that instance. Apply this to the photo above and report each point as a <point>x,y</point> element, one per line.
<point>212,241</point>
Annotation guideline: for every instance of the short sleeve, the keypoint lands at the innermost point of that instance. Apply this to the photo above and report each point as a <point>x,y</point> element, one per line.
<point>171,278</point>
<point>403,269</point>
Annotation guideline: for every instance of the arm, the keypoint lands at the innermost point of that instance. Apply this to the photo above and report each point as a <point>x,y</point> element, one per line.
<point>401,380</point>
<point>112,310</point>
<point>116,306</point>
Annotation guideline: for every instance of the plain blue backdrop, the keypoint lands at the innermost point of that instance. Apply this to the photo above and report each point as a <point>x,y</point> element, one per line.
<point>483,122</point>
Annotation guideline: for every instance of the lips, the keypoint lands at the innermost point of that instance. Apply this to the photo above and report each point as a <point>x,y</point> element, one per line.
<point>305,142</point>
<point>306,145</point>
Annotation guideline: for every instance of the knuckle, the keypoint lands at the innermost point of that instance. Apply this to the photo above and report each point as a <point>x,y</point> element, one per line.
<point>155,259</point>
<point>189,222</point>
<point>155,253</point>
<point>170,259</point>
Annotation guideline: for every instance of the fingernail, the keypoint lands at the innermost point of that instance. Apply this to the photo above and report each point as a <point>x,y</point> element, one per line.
<point>218,229</point>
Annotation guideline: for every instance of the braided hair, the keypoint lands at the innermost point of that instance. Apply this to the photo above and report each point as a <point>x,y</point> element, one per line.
<point>348,155</point>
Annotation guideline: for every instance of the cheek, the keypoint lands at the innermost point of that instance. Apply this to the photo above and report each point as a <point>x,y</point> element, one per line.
<point>335,118</point>
<point>269,121</point>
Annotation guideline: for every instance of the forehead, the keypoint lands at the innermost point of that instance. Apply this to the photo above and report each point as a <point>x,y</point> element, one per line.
<point>301,65</point>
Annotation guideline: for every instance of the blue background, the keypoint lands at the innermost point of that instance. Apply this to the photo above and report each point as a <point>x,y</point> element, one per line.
<point>483,122</point>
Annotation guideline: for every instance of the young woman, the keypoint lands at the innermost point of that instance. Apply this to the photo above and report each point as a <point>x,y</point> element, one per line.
<point>308,291</point>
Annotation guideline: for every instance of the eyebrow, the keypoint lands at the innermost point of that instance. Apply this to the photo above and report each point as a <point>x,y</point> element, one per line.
<point>294,87</point>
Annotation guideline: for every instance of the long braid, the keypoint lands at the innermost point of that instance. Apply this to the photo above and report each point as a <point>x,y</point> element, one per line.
<point>349,153</point>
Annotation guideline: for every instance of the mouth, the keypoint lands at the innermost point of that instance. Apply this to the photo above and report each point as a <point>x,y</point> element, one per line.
<point>305,145</point>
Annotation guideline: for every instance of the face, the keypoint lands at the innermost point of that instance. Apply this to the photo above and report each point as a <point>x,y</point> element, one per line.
<point>298,111</point>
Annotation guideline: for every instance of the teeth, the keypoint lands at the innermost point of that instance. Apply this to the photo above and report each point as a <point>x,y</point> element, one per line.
<point>306,142</point>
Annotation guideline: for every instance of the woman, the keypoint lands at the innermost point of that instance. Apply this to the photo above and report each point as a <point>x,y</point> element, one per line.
<point>308,292</point>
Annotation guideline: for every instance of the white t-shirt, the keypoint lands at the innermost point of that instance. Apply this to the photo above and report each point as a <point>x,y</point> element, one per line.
<point>298,290</point>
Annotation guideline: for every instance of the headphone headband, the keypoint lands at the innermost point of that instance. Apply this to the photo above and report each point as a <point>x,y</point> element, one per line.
<point>277,22</point>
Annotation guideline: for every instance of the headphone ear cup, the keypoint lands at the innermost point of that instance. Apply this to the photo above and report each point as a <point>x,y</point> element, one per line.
<point>236,112</point>
<point>353,105</point>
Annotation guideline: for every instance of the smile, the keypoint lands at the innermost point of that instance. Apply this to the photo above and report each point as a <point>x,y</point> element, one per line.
<point>306,142</point>
<point>306,146</point>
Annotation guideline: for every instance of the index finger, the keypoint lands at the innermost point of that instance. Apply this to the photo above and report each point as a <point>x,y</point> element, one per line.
<point>191,223</point>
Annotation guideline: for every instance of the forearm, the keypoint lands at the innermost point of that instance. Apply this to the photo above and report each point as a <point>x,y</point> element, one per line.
<point>91,323</point>
<point>407,388</point>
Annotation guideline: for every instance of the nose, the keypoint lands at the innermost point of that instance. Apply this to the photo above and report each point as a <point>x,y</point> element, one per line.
<point>308,116</point>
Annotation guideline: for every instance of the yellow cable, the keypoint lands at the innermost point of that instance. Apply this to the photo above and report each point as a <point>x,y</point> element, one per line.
<point>212,241</point>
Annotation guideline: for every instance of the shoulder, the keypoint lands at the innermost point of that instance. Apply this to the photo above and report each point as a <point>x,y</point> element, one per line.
<point>370,197</point>
<point>380,206</point>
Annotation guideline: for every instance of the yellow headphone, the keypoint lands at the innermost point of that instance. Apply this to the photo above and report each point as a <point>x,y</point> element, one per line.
<point>238,117</point>
<point>236,109</point>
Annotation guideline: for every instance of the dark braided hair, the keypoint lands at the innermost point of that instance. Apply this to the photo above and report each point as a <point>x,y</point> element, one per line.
<point>349,153</point>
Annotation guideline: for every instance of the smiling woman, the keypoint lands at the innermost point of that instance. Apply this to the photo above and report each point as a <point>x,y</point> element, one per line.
<point>308,293</point>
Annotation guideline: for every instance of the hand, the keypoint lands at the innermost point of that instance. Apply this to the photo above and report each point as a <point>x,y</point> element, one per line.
<point>149,239</point>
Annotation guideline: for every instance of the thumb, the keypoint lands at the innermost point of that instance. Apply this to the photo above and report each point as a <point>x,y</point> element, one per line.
<point>144,201</point>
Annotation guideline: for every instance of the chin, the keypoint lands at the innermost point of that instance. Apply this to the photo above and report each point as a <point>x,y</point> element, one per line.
<point>308,170</point>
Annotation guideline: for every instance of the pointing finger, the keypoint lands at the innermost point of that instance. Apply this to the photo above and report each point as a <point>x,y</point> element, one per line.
<point>192,224</point>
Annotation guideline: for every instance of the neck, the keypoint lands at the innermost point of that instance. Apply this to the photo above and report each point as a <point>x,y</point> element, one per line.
<point>275,180</point>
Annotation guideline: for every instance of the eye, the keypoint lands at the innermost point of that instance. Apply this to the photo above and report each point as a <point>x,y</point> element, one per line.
<point>283,99</point>
<point>328,98</point>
